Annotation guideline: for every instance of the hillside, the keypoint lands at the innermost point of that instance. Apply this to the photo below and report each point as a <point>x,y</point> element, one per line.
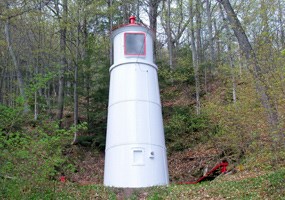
<point>35,157</point>
<point>215,67</point>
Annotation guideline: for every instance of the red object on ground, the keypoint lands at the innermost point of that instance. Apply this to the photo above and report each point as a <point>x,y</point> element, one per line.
<point>223,165</point>
<point>62,179</point>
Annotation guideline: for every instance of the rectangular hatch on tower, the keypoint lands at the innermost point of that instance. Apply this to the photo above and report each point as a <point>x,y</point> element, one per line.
<point>135,44</point>
<point>138,156</point>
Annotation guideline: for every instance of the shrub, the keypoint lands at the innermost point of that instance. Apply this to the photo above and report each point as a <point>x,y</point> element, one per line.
<point>184,129</point>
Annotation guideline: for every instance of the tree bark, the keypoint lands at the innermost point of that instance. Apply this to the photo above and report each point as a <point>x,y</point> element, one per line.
<point>281,24</point>
<point>195,59</point>
<point>16,64</point>
<point>75,84</point>
<point>169,40</point>
<point>110,4</point>
<point>211,43</point>
<point>250,56</point>
<point>198,31</point>
<point>3,72</point>
<point>210,30</point>
<point>138,9</point>
<point>63,60</point>
<point>239,32</point>
<point>87,77</point>
<point>152,14</point>
<point>230,55</point>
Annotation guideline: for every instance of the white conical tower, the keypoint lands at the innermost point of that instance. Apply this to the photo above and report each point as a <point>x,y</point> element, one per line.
<point>135,145</point>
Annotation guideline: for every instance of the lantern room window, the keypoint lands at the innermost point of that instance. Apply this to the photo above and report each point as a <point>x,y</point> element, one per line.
<point>135,44</point>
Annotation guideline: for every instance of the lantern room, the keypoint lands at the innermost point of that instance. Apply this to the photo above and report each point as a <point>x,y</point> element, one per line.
<point>132,42</point>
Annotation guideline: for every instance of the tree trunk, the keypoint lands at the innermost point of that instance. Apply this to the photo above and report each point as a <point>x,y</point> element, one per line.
<point>87,77</point>
<point>217,43</point>
<point>211,43</point>
<point>210,30</point>
<point>230,55</point>
<point>138,9</point>
<point>198,31</point>
<point>110,4</point>
<point>63,60</point>
<point>233,76</point>
<point>239,32</point>
<point>36,106</point>
<point>264,17</point>
<point>169,40</point>
<point>2,81</point>
<point>250,56</point>
<point>16,65</point>
<point>281,24</point>
<point>75,84</point>
<point>195,59</point>
<point>152,14</point>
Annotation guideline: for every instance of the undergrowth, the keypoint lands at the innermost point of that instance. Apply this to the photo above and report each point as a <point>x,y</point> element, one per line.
<point>267,186</point>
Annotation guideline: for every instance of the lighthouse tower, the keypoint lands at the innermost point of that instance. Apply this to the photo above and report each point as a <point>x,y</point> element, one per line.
<point>135,154</point>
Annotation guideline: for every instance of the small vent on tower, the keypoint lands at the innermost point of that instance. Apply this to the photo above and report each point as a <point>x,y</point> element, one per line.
<point>138,156</point>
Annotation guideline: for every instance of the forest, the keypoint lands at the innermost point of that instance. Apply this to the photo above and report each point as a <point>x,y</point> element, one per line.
<point>221,73</point>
